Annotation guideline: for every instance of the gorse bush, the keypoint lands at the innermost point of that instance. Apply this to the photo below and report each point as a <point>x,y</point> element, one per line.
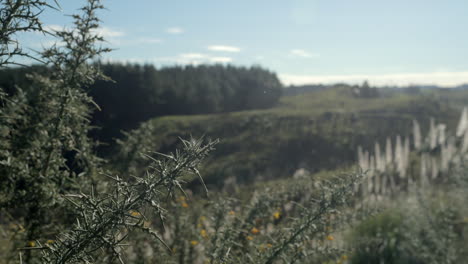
<point>104,220</point>
<point>296,223</point>
<point>45,148</point>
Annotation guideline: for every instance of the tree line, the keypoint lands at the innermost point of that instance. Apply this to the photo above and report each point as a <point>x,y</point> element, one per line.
<point>141,92</point>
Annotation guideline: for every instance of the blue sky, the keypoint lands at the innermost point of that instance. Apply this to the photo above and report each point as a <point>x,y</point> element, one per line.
<point>386,42</point>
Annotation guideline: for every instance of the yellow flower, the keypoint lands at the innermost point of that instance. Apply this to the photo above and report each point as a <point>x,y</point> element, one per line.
<point>250,238</point>
<point>263,247</point>
<point>181,198</point>
<point>344,257</point>
<point>185,205</point>
<point>50,241</point>
<point>254,231</point>
<point>194,242</point>
<point>31,244</point>
<point>232,213</point>
<point>202,218</point>
<point>203,233</point>
<point>277,215</point>
<point>330,238</point>
<point>134,213</point>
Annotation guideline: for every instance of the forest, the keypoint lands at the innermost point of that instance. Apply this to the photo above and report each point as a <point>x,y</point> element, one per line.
<point>107,162</point>
<point>138,93</point>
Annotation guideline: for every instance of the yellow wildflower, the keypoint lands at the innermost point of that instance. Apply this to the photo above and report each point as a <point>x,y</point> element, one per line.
<point>254,231</point>
<point>250,238</point>
<point>344,257</point>
<point>203,233</point>
<point>263,247</point>
<point>31,244</point>
<point>50,241</point>
<point>232,212</point>
<point>277,215</point>
<point>134,213</point>
<point>185,205</point>
<point>330,238</point>
<point>194,242</point>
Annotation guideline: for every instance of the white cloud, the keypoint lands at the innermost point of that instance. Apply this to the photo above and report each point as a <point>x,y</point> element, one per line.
<point>302,53</point>
<point>221,59</point>
<point>149,40</point>
<point>193,59</point>
<point>53,27</point>
<point>193,56</point>
<point>175,30</point>
<point>398,79</point>
<point>106,32</point>
<point>223,48</point>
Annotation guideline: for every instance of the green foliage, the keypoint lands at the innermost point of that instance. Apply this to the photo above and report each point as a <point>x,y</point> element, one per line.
<point>379,239</point>
<point>105,220</point>
<point>428,226</point>
<point>316,131</point>
<point>142,92</point>
<point>45,150</point>
<point>296,223</point>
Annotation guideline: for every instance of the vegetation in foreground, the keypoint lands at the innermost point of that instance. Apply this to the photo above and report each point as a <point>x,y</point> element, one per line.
<point>75,212</point>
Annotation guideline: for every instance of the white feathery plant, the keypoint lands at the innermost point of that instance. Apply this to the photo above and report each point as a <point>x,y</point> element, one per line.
<point>440,153</point>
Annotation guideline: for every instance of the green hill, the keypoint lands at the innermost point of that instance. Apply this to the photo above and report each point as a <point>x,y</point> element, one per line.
<point>317,131</point>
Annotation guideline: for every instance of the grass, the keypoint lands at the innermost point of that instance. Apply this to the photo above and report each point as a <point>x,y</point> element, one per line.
<point>318,130</point>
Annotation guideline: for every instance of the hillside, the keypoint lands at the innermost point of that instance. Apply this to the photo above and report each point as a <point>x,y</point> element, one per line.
<point>317,131</point>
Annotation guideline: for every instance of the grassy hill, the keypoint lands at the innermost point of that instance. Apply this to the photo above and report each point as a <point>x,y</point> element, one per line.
<point>317,131</point>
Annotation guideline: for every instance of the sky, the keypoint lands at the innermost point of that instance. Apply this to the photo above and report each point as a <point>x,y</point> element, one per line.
<point>387,42</point>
